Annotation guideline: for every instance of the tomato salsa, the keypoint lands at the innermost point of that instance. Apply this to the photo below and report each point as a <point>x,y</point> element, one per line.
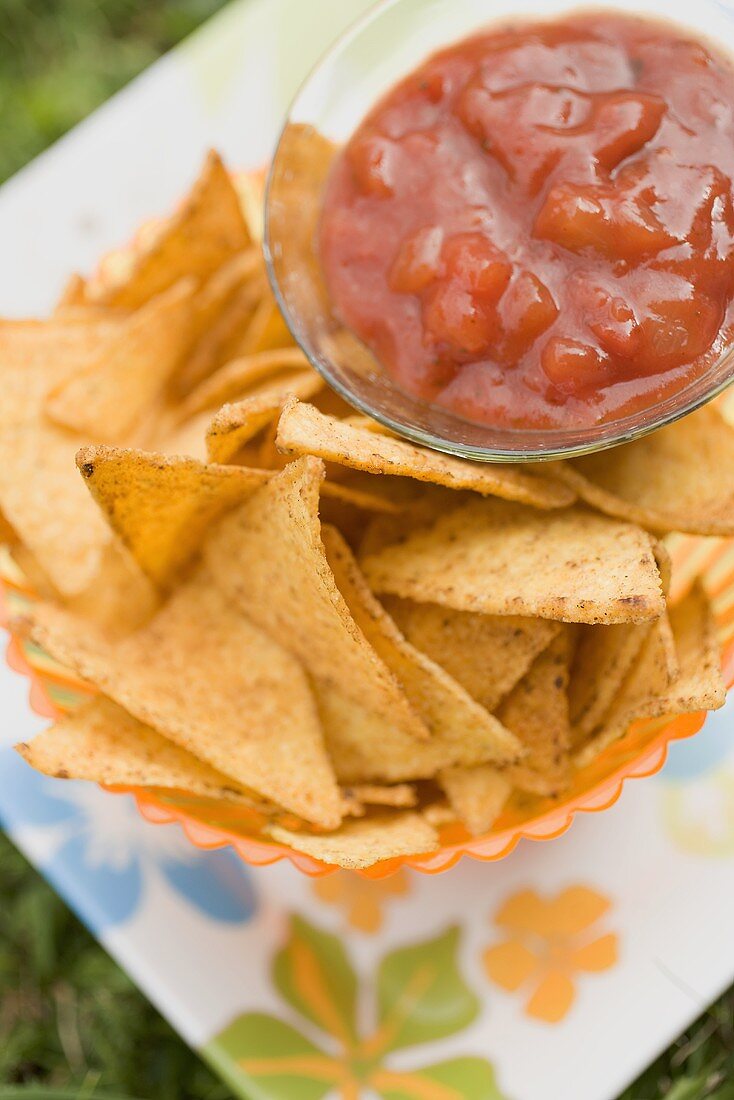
<point>536,227</point>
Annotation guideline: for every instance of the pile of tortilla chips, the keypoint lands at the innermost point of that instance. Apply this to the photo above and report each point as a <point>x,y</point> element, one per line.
<point>288,611</point>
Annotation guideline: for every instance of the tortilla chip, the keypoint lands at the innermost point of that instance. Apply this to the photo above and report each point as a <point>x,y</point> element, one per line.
<point>40,492</point>
<point>505,559</point>
<point>441,702</point>
<point>163,506</point>
<point>236,424</point>
<point>367,747</point>
<point>268,558</point>
<point>266,330</point>
<point>239,376</point>
<point>73,294</point>
<point>477,796</point>
<point>207,678</point>
<point>206,230</point>
<point>400,795</point>
<point>101,742</point>
<point>107,400</point>
<point>680,478</point>
<point>536,711</point>
<point>218,340</point>
<point>676,670</point>
<point>304,430</point>
<point>487,654</point>
<point>364,842</point>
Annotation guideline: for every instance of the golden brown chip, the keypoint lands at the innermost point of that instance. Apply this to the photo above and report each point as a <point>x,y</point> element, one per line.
<point>487,654</point>
<point>266,330</point>
<point>241,375</point>
<point>218,339</point>
<point>107,400</point>
<point>506,559</point>
<point>477,796</point>
<point>204,676</point>
<point>443,704</point>
<point>399,795</point>
<point>163,506</point>
<point>367,747</point>
<point>41,494</point>
<point>536,710</point>
<point>268,558</point>
<point>603,657</point>
<point>680,478</point>
<point>206,231</point>
<point>302,429</point>
<point>366,841</point>
<point>678,671</point>
<point>236,424</point>
<point>101,742</point>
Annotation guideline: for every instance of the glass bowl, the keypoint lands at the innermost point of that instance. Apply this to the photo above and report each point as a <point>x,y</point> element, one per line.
<point>386,44</point>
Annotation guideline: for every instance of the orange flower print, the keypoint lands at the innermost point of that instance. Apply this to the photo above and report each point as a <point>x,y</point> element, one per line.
<point>549,941</point>
<point>362,899</point>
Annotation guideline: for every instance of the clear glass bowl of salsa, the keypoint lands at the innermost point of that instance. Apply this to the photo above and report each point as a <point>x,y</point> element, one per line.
<point>508,234</point>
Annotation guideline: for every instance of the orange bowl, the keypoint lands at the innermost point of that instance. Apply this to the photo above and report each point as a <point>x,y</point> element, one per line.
<point>209,824</point>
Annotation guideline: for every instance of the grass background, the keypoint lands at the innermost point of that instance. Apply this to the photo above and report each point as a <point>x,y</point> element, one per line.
<point>72,1025</point>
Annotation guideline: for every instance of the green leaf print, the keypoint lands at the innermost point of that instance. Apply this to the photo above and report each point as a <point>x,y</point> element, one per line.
<point>315,976</point>
<point>420,995</point>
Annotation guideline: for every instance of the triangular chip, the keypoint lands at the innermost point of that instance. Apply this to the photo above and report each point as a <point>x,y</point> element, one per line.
<point>536,710</point>
<point>504,559</point>
<point>367,747</point>
<point>219,339</point>
<point>101,742</point>
<point>362,843</point>
<point>108,399</point>
<point>399,795</point>
<point>302,429</point>
<point>443,704</point>
<point>236,424</point>
<point>680,478</point>
<point>268,558</point>
<point>41,494</point>
<point>603,657</point>
<point>163,506</point>
<point>487,654</point>
<point>476,795</point>
<point>206,230</point>
<point>204,676</point>
<point>678,671</point>
<point>241,375</point>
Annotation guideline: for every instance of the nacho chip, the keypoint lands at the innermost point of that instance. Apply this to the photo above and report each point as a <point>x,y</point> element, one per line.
<point>680,478</point>
<point>536,710</point>
<point>239,376</point>
<point>487,654</point>
<point>107,400</point>
<point>505,559</point>
<point>400,795</point>
<point>604,657</point>
<point>207,678</point>
<point>266,330</point>
<point>73,294</point>
<point>477,796</point>
<point>675,671</point>
<point>445,707</point>
<point>163,506</point>
<point>236,424</point>
<point>268,558</point>
<point>303,430</point>
<point>40,493</point>
<point>364,842</point>
<point>217,342</point>
<point>206,231</point>
<point>367,747</point>
<point>101,742</point>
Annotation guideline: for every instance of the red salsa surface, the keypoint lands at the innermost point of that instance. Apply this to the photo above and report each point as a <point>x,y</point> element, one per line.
<point>536,227</point>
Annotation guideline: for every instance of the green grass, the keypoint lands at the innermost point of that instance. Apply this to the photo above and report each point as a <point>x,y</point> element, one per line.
<point>72,1025</point>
